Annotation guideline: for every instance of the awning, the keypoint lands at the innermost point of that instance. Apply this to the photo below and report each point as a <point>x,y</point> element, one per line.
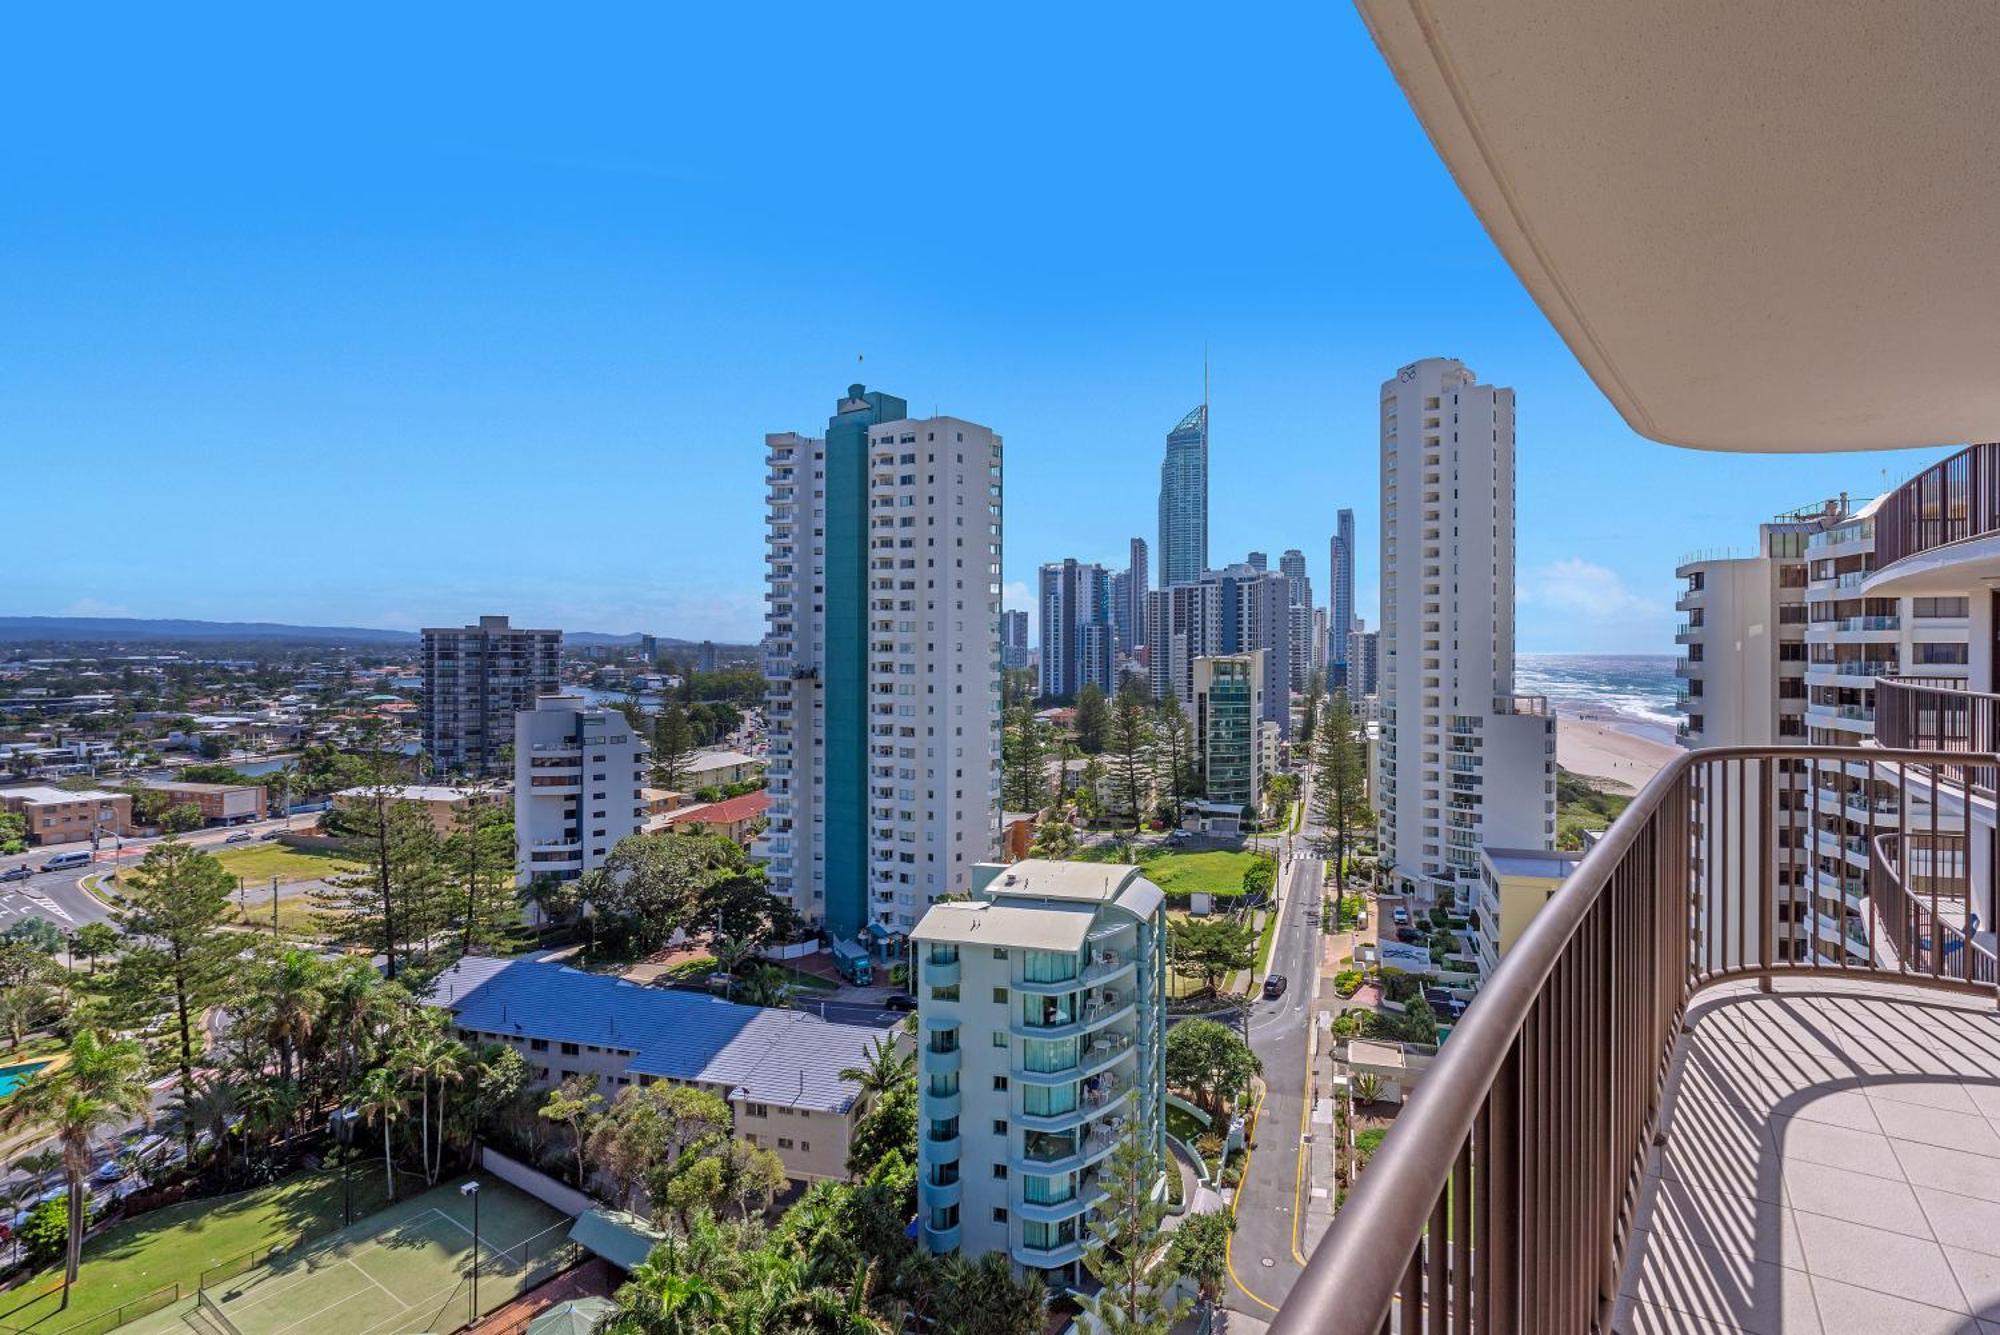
<point>622,1238</point>
<point>579,1316</point>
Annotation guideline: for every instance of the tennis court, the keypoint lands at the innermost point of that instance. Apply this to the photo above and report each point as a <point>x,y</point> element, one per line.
<point>407,1269</point>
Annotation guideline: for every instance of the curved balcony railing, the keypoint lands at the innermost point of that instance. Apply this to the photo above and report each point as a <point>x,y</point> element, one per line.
<point>1952,500</point>
<point>1530,1134</point>
<point>1936,714</point>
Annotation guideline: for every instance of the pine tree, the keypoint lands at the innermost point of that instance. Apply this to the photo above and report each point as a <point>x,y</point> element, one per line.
<point>1093,719</point>
<point>1024,762</point>
<point>1174,753</point>
<point>1340,780</point>
<point>390,904</point>
<point>673,746</point>
<point>478,858</point>
<point>1132,1260</point>
<point>178,955</point>
<point>1131,749</point>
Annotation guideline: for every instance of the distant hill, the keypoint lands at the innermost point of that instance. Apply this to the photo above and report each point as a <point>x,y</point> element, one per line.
<point>117,630</point>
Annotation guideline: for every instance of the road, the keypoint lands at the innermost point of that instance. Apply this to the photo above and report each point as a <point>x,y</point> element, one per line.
<point>1267,1251</point>
<point>59,896</point>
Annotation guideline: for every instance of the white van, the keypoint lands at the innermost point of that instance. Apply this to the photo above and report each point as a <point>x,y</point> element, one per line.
<point>63,861</point>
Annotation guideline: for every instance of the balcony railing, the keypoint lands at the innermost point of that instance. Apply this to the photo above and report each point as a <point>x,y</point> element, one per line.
<point>1952,500</point>
<point>1935,714</point>
<point>1503,1198</point>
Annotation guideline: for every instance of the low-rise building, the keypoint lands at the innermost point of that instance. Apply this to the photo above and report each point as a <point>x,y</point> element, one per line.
<point>219,803</point>
<point>440,802</point>
<point>778,1070</point>
<point>737,818</point>
<point>1042,1015</point>
<point>717,769</point>
<point>62,816</point>
<point>1514,884</point>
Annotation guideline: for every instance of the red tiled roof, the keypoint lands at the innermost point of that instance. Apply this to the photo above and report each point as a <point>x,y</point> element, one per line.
<point>726,812</point>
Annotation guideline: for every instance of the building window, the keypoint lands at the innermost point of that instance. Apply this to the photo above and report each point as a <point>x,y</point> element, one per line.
<point>999,1126</point>
<point>999,1040</point>
<point>756,1110</point>
<point>783,1143</point>
<point>1000,1084</point>
<point>945,993</point>
<point>570,1050</point>
<point>1000,1170</point>
<point>999,1215</point>
<point>805,1147</point>
<point>999,996</point>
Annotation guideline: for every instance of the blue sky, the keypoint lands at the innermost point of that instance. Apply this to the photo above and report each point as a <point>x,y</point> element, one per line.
<point>424,313</point>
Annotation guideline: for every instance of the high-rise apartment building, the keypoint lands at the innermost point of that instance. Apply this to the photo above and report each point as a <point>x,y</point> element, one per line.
<point>1234,610</point>
<point>1319,639</point>
<point>883,659</point>
<point>1292,565</point>
<point>1340,608</point>
<point>578,772</point>
<point>476,678</point>
<point>1464,761</point>
<point>1138,573</point>
<point>1120,584</point>
<point>1014,639</point>
<point>1228,715</point>
<point>1041,1015</point>
<point>1363,662</point>
<point>1184,501</point>
<point>1077,636</point>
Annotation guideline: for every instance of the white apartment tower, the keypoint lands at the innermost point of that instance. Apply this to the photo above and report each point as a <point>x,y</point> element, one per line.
<point>578,772</point>
<point>1464,762</point>
<point>883,658</point>
<point>1041,1009</point>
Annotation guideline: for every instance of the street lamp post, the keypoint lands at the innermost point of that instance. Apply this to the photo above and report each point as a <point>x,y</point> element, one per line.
<point>472,1189</point>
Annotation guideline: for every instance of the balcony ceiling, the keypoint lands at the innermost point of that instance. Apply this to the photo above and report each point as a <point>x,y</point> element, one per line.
<point>1758,225</point>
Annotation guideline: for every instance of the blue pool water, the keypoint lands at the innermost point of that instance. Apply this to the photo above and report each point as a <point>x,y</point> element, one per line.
<point>13,1077</point>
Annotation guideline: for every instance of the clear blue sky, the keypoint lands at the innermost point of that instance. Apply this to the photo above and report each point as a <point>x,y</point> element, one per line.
<point>397,316</point>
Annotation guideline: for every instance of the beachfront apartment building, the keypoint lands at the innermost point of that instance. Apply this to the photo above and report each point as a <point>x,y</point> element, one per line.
<point>1041,1026</point>
<point>882,663</point>
<point>476,679</point>
<point>579,786</point>
<point>1464,761</point>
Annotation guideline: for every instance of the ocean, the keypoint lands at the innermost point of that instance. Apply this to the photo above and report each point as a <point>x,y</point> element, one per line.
<point>1632,692</point>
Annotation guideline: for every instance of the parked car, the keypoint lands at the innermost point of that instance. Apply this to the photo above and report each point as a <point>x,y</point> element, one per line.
<point>1274,986</point>
<point>1401,917</point>
<point>63,861</point>
<point>901,1001</point>
<point>20,873</point>
<point>1409,936</point>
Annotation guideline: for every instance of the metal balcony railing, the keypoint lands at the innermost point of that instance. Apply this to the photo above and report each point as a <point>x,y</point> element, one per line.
<point>1503,1198</point>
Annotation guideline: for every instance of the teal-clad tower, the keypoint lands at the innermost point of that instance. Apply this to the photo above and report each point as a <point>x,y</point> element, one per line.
<point>845,680</point>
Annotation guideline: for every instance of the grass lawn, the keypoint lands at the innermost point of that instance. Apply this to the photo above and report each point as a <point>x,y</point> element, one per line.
<point>297,917</point>
<point>175,1244</point>
<point>258,863</point>
<point>1266,943</point>
<point>1215,872</point>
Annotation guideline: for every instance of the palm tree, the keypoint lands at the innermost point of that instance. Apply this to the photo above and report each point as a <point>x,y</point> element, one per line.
<point>102,1085</point>
<point>888,1066</point>
<point>445,1062</point>
<point>660,1299</point>
<point>211,1106</point>
<point>380,1097</point>
<point>293,996</point>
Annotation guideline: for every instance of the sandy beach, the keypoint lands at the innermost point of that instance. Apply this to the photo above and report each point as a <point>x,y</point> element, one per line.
<point>1600,751</point>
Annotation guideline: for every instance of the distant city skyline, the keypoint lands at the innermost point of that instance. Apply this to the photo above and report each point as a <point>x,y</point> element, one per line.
<point>443,303</point>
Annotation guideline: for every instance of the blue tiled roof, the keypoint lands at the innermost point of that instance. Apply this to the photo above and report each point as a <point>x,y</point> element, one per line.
<point>784,1057</point>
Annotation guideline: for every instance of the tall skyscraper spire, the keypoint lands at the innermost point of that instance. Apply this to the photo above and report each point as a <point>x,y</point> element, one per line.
<point>1184,495</point>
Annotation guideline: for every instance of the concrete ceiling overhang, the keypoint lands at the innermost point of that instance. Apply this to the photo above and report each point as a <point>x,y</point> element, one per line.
<point>1758,225</point>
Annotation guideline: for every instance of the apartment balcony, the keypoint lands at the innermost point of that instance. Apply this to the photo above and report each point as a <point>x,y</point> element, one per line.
<point>938,1195</point>
<point>1047,1257</point>
<point>1105,966</point>
<point>1670,1111</point>
<point>1094,1016</point>
<point>1047,1154</point>
<point>1104,1051</point>
<point>1686,668</point>
<point>1051,1212</point>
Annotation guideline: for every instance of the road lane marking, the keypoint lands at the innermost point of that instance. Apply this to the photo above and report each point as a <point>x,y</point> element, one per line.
<point>1229,1250</point>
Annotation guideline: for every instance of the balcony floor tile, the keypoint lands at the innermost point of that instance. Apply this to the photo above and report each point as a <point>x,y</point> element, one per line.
<point>1831,1163</point>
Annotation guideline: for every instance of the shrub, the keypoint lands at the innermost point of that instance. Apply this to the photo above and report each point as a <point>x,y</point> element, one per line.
<point>47,1231</point>
<point>1347,982</point>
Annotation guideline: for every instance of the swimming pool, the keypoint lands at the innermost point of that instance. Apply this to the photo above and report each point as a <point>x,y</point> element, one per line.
<point>13,1077</point>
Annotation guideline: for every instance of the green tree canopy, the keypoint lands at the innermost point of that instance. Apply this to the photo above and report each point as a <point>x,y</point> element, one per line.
<point>1208,1061</point>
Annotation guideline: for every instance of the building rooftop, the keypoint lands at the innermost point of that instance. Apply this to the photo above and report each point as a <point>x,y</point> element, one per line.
<point>725,812</point>
<point>783,1057</point>
<point>1048,878</point>
<point>416,792</point>
<point>706,760</point>
<point>975,922</point>
<point>44,793</point>
<point>1532,862</point>
<point>175,785</point>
